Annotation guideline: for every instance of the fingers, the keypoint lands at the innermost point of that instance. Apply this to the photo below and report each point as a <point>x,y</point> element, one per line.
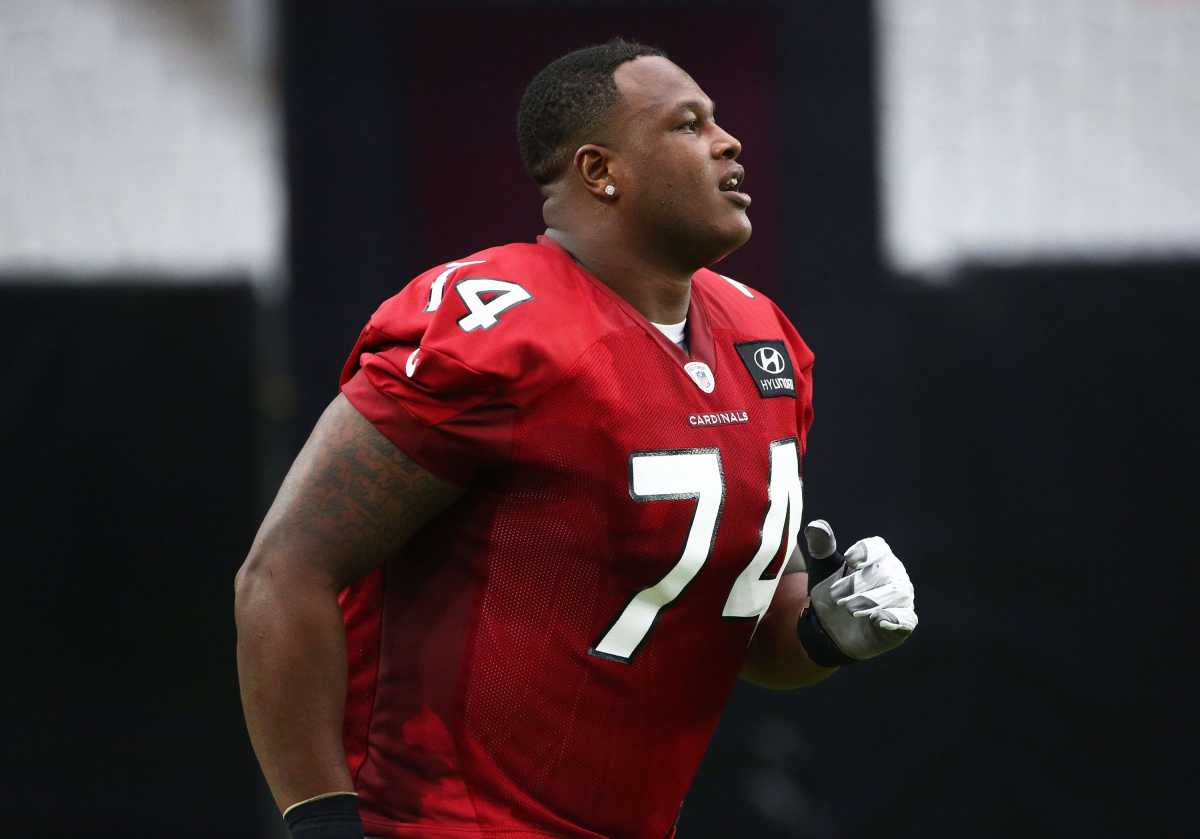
<point>901,620</point>
<point>890,596</point>
<point>858,604</point>
<point>867,551</point>
<point>888,570</point>
<point>885,582</point>
<point>819,538</point>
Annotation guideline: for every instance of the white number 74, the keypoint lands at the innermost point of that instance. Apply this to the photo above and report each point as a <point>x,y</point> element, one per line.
<point>678,474</point>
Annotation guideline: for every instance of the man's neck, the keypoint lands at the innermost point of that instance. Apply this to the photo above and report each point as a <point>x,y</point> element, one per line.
<point>661,294</point>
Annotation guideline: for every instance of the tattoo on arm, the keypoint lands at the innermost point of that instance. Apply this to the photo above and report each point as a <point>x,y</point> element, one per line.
<point>351,498</point>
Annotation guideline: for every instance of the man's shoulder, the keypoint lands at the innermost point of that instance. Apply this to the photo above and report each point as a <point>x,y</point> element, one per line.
<point>512,313</point>
<point>734,305</point>
<point>530,262</point>
<point>747,313</point>
<point>509,273</point>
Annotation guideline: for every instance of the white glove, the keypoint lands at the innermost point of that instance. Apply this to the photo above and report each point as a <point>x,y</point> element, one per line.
<point>865,607</point>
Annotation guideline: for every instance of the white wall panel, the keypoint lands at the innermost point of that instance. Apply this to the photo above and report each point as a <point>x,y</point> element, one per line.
<point>1016,130</point>
<point>139,136</point>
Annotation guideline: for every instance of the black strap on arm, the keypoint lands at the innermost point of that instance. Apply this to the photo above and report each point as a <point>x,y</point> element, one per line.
<point>820,647</point>
<point>326,817</point>
<point>817,643</point>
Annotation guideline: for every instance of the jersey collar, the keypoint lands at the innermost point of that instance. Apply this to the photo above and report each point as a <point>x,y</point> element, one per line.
<point>699,334</point>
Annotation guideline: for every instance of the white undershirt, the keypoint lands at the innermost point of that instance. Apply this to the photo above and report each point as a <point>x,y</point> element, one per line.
<point>674,331</point>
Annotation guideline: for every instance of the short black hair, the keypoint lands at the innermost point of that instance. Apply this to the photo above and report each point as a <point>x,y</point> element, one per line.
<point>568,95</point>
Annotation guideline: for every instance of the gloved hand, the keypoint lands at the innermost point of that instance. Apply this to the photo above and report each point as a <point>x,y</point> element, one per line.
<point>863,608</point>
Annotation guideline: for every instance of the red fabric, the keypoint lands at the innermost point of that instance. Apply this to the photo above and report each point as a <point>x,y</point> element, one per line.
<point>489,715</point>
<point>362,609</point>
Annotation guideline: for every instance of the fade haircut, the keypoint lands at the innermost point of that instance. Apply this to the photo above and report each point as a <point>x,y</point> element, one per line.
<point>567,97</point>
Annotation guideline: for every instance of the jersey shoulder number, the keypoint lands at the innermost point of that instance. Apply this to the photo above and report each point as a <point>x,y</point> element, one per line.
<point>484,297</point>
<point>482,288</point>
<point>500,322</point>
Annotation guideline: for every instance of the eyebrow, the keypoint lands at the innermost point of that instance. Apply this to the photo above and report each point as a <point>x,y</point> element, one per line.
<point>702,105</point>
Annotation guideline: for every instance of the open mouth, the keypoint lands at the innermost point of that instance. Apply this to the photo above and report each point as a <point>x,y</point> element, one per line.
<point>732,185</point>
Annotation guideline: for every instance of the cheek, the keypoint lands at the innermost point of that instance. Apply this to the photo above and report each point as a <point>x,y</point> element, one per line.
<point>678,181</point>
<point>674,167</point>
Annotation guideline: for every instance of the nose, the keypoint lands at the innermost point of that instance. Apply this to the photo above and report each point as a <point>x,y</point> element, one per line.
<point>726,145</point>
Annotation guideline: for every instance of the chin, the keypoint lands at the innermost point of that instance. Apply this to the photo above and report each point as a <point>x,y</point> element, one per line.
<point>732,239</point>
<point>694,246</point>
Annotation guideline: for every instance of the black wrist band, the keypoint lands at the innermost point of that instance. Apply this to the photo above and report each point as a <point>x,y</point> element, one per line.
<point>817,643</point>
<point>329,817</point>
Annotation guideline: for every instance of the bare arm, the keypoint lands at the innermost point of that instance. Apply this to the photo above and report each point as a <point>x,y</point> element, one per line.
<point>349,502</point>
<point>776,658</point>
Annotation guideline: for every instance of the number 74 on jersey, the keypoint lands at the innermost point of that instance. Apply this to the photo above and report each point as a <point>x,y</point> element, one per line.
<point>678,474</point>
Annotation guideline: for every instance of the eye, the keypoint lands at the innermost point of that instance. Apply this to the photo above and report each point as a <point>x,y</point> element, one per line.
<point>690,125</point>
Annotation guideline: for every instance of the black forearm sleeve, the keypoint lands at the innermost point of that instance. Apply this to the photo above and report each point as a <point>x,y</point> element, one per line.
<point>332,817</point>
<point>820,647</point>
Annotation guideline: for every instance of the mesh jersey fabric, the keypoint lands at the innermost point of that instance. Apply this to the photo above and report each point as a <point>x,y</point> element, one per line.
<point>486,695</point>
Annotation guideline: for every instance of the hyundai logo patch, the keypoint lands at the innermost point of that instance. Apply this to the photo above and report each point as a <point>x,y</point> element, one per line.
<point>770,366</point>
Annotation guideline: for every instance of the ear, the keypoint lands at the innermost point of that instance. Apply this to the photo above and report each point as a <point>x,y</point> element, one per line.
<point>593,167</point>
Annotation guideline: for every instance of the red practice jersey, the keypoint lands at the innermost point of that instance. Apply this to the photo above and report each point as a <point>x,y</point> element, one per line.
<point>549,656</point>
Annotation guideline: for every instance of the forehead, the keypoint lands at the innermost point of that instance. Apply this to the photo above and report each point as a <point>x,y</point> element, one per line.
<point>652,83</point>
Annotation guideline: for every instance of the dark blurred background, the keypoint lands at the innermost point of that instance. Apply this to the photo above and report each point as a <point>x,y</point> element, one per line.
<point>984,218</point>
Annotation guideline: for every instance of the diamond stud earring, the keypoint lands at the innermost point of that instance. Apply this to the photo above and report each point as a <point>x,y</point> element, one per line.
<point>610,190</point>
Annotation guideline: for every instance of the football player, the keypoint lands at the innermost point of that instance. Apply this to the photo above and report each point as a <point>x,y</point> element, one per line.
<point>552,515</point>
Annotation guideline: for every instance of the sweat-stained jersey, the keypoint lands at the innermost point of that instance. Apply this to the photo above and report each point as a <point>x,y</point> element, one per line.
<point>549,656</point>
